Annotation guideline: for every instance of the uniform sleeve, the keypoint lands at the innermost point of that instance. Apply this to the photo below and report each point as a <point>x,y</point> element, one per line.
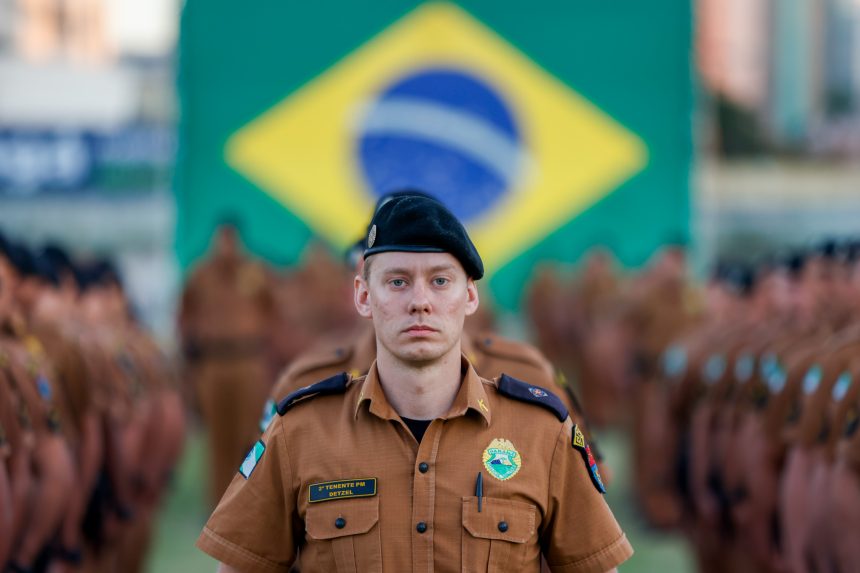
<point>254,526</point>
<point>581,534</point>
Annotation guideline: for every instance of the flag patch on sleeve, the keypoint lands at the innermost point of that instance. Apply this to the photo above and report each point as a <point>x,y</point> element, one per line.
<point>252,458</point>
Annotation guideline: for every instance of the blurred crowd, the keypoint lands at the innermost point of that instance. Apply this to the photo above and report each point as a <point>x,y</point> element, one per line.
<point>91,416</point>
<point>739,395</point>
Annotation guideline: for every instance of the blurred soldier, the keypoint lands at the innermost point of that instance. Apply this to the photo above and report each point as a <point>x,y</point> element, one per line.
<point>844,483</point>
<point>665,365</point>
<point>604,350</point>
<point>48,313</point>
<point>321,285</point>
<point>29,379</point>
<point>225,320</point>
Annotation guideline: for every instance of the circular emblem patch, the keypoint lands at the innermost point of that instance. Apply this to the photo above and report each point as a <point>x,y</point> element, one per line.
<point>502,460</point>
<point>538,393</point>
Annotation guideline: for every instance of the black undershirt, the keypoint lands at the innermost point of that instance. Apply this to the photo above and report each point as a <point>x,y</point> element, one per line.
<point>417,427</point>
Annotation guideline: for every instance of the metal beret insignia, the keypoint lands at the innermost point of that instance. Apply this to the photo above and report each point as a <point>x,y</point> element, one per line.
<point>371,236</point>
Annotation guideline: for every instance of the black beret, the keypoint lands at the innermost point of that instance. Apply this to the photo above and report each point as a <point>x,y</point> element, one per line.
<point>419,224</point>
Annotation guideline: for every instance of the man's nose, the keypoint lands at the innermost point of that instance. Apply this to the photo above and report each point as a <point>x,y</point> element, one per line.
<point>420,301</point>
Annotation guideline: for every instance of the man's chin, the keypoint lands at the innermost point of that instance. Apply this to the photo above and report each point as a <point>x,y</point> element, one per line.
<point>421,355</point>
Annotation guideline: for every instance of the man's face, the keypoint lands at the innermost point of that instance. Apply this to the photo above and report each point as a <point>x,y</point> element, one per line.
<point>417,302</point>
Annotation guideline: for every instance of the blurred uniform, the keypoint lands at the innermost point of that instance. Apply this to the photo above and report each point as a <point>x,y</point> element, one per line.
<point>225,321</point>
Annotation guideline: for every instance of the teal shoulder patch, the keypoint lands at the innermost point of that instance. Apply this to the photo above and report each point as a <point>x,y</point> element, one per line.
<point>334,385</point>
<point>524,392</point>
<point>341,489</point>
<point>269,411</point>
<point>252,459</point>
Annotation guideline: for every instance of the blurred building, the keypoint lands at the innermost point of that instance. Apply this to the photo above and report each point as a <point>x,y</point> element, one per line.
<point>781,76</point>
<point>87,134</point>
<point>780,124</point>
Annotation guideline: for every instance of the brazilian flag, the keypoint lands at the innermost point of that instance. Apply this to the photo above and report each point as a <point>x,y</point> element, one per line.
<point>547,126</point>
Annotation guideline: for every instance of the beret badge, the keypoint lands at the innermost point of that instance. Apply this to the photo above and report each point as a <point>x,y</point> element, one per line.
<point>371,236</point>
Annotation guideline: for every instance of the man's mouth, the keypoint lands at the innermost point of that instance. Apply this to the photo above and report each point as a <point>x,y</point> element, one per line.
<point>420,328</point>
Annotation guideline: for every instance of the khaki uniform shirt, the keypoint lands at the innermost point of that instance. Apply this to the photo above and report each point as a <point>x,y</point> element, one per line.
<point>342,478</point>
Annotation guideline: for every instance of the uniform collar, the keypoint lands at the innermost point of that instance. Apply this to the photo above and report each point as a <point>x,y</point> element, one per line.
<point>470,396</point>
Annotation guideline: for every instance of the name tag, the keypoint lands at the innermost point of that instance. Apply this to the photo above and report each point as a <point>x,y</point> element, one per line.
<point>341,489</point>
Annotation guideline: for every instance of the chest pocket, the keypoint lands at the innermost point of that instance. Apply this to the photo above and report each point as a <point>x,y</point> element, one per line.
<point>343,536</point>
<point>501,537</point>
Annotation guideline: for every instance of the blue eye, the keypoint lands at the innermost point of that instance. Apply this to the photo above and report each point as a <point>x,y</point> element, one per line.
<point>440,281</point>
<point>398,282</point>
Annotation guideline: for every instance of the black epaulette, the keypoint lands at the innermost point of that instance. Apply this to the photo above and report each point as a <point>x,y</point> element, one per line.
<point>524,392</point>
<point>334,385</point>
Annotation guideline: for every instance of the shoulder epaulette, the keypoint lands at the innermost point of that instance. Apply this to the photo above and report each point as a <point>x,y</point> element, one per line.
<point>335,385</point>
<point>524,392</point>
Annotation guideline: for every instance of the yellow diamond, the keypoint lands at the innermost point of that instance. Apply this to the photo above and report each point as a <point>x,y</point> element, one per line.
<point>303,150</point>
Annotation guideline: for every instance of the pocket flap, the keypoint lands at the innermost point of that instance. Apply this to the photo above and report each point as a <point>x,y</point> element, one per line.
<point>354,516</point>
<point>512,521</point>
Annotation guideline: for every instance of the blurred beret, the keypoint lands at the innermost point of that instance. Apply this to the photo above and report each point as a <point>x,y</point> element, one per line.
<point>419,224</point>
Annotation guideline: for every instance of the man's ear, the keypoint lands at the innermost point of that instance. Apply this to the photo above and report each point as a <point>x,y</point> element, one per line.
<point>472,299</point>
<point>361,296</point>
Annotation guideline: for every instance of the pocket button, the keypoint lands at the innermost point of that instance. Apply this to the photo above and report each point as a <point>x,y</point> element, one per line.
<point>503,526</point>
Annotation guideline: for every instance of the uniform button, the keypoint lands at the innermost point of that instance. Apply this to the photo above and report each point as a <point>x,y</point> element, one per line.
<point>421,527</point>
<point>423,467</point>
<point>503,526</point>
<point>340,523</point>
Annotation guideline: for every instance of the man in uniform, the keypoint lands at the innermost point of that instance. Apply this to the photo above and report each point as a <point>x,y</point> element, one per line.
<point>225,321</point>
<point>420,465</point>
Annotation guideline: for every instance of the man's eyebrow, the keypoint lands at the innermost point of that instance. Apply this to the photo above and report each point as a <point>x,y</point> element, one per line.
<point>396,271</point>
<point>405,271</point>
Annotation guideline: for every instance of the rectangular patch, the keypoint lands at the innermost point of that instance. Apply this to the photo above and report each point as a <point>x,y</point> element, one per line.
<point>341,489</point>
<point>252,458</point>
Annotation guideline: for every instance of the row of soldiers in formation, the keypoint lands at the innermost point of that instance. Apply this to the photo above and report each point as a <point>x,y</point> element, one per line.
<point>753,408</point>
<point>92,419</point>
<point>745,399</point>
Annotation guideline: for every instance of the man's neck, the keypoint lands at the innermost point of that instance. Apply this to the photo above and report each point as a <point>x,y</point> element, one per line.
<point>420,391</point>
